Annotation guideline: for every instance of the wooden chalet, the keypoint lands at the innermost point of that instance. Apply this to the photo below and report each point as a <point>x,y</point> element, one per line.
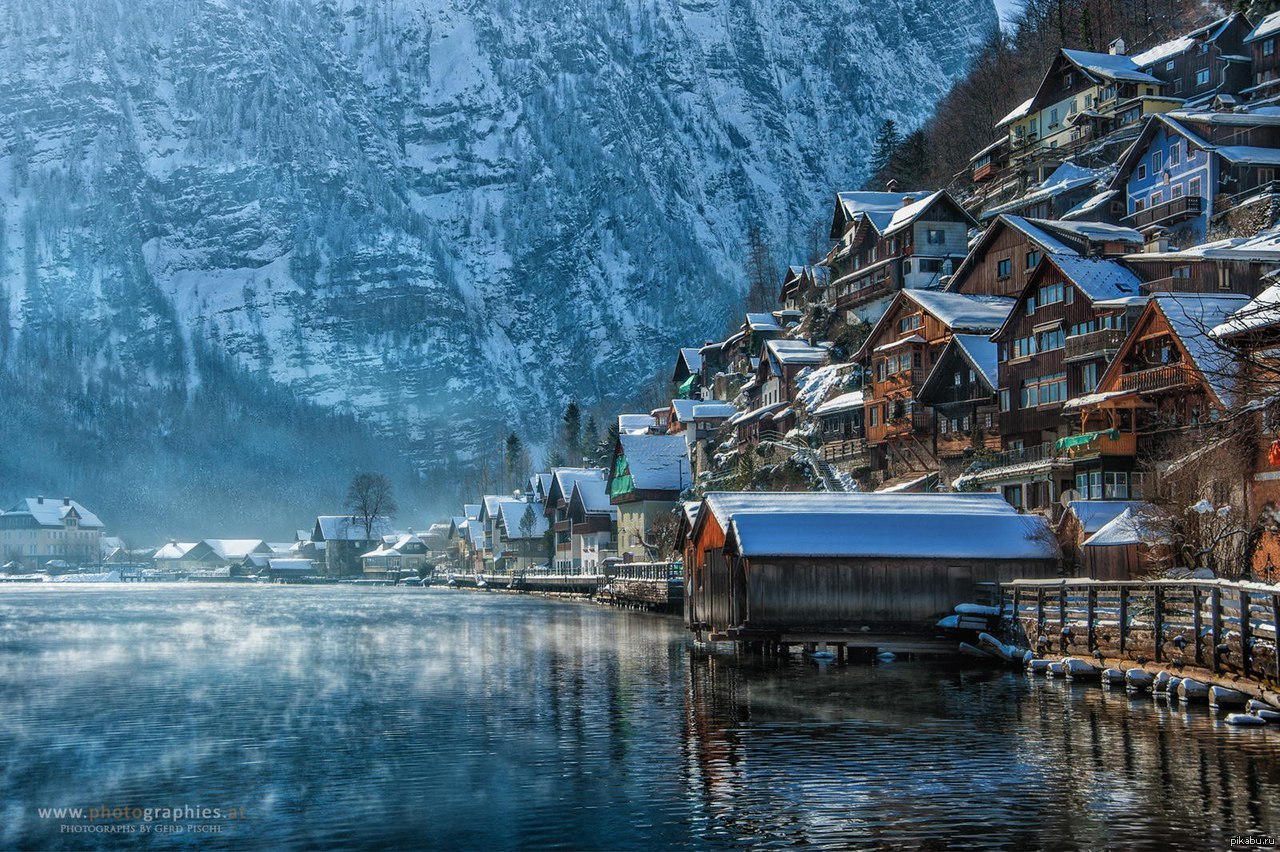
<point>801,286</point>
<point>1208,61</point>
<point>1067,191</point>
<point>1168,376</point>
<point>842,429</point>
<point>961,392</point>
<point>557,510</point>
<point>1098,543</point>
<point>859,569</point>
<point>1011,248</point>
<point>1261,43</point>
<point>687,376</point>
<point>901,351</point>
<point>592,528</point>
<point>521,536</point>
<point>1236,265</point>
<point>647,474</point>
<point>889,241</point>
<point>399,555</point>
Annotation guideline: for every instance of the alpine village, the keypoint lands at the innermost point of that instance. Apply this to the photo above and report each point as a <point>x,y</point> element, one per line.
<point>1032,413</point>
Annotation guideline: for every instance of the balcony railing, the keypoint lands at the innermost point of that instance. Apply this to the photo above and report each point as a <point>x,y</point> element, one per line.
<point>1024,455</point>
<point>835,451</point>
<point>1173,210</point>
<point>1159,378</point>
<point>880,287</point>
<point>1104,444</point>
<point>1094,343</point>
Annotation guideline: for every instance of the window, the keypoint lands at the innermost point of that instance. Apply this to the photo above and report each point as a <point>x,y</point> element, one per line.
<point>1157,161</point>
<point>1004,268</point>
<point>1156,197</point>
<point>1047,341</point>
<point>1266,176</point>
<point>1202,77</point>
<point>1183,272</point>
<point>1089,377</point>
<point>1053,118</point>
<point>1004,399</point>
<point>1050,294</point>
<point>957,379</point>
<point>1116,486</point>
<point>1175,153</point>
<point>1139,205</point>
<point>1082,484</point>
<point>1175,191</point>
<point>1168,66</point>
<point>1224,278</point>
<point>1033,257</point>
<point>1095,485</point>
<point>936,236</point>
<point>1269,47</point>
<point>943,426</point>
<point>1067,79</point>
<point>1031,305</point>
<point>1071,107</point>
<point>1193,187</point>
<point>1142,171</point>
<point>875,415</point>
<point>1177,85</point>
<point>908,323</point>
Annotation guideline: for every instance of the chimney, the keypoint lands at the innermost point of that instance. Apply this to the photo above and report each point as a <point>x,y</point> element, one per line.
<point>66,501</point>
<point>40,501</point>
<point>1157,241</point>
<point>891,186</point>
<point>1116,48</point>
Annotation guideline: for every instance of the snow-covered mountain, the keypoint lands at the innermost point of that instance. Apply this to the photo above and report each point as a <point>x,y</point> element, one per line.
<point>444,217</point>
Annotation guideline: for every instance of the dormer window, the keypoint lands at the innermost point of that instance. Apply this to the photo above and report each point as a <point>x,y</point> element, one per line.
<point>1068,78</point>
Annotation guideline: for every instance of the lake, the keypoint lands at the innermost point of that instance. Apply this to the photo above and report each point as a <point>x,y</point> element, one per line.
<point>331,716</point>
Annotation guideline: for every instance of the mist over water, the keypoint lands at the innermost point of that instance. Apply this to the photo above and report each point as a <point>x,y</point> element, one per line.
<point>409,717</point>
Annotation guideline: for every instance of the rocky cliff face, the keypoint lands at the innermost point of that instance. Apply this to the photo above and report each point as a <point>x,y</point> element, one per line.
<point>443,217</point>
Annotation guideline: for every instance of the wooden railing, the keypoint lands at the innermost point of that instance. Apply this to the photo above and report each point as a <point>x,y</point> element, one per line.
<point>665,571</point>
<point>1103,444</point>
<point>1175,209</point>
<point>1173,284</point>
<point>1094,343</point>
<point>1154,378</point>
<point>1023,455</point>
<point>1217,625</point>
<point>834,451</point>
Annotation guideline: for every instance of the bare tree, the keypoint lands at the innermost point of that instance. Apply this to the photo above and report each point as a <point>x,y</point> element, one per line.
<point>370,499</point>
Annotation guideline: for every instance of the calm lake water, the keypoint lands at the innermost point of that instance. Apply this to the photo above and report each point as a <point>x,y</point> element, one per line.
<point>341,717</point>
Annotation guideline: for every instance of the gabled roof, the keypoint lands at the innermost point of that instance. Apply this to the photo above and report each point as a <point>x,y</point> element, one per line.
<point>175,550</point>
<point>1093,232</point>
<point>762,322</point>
<point>592,496</point>
<point>650,463</point>
<point>1108,66</point>
<point>876,208</point>
<point>1022,110</point>
<point>1065,178</point>
<point>1093,515</point>
<point>840,404</point>
<point>854,525</point>
<point>471,510</point>
<point>1270,25</point>
<point>53,511</point>
<point>1261,314</point>
<point>795,352</point>
<point>958,311</point>
<point>513,512</point>
<point>976,350</point>
<point>1029,228</point>
<point>1097,279</point>
<point>1183,126</point>
<point>905,216</point>
<point>688,360</point>
<point>1130,527</point>
<point>635,424</point>
<point>347,528</point>
<point>238,548</point>
<point>713,410</point>
<point>1210,32</point>
<point>564,478</point>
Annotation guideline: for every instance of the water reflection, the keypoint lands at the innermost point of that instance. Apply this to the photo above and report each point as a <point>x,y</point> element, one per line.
<point>452,719</point>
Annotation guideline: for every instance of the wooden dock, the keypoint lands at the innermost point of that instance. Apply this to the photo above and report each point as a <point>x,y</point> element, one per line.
<point>1216,630</point>
<point>651,586</point>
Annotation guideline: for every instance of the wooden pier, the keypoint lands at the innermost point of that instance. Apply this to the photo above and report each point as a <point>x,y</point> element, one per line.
<point>651,586</point>
<point>1216,630</point>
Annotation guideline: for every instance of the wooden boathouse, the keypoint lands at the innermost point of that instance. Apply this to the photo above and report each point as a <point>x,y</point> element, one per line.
<point>863,570</point>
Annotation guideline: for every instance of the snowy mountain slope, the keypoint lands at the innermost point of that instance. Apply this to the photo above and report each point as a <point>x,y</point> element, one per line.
<point>438,215</point>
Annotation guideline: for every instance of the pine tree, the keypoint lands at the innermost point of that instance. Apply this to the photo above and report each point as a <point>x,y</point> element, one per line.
<point>888,139</point>
<point>515,462</point>
<point>573,433</point>
<point>909,165</point>
<point>760,271</point>
<point>590,440</point>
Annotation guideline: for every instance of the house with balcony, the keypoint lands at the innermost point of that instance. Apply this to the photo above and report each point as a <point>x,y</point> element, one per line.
<point>900,353</point>
<point>1168,376</point>
<point>781,364</point>
<point>1233,265</point>
<point>593,526</point>
<point>399,555</point>
<point>1209,61</point>
<point>521,536</point>
<point>842,429</point>
<point>802,286</point>
<point>556,509</point>
<point>1082,98</point>
<point>1063,330</point>
<point>1011,247</point>
<point>1261,43</point>
<point>687,376</point>
<point>647,475</point>
<point>890,241</point>
<point>961,392</point>
<point>1187,166</point>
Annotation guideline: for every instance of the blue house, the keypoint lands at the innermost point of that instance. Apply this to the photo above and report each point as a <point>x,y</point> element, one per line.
<point>1184,167</point>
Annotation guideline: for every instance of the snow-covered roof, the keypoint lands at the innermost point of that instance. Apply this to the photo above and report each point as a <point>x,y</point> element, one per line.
<point>1267,26</point>
<point>894,344</point>
<point>754,413</point>
<point>52,511</point>
<point>564,478</point>
<point>1261,313</point>
<point>1033,229</point>
<point>593,494</point>
<point>233,549</point>
<point>1064,178</point>
<point>656,462</point>
<point>1020,111</point>
<point>1161,52</point>
<point>1191,316</point>
<point>844,402</point>
<point>1098,232</point>
<point>1132,526</point>
<point>692,358</point>
<point>1250,155</point>
<point>1108,66</point>
<point>1090,204</point>
<point>515,511</point>
<point>961,311</point>
<point>175,550</point>
<point>1093,515</point>
<point>471,510</point>
<point>1256,117</point>
<point>713,410</point>
<point>901,525</point>
<point>878,207</point>
<point>982,353</point>
<point>347,528</point>
<point>762,322</point>
<point>299,565</point>
<point>1098,278</point>
<point>793,352</point>
<point>635,424</point>
<point>904,216</point>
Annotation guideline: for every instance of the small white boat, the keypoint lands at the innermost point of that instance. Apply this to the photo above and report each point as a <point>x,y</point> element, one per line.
<point>995,647</point>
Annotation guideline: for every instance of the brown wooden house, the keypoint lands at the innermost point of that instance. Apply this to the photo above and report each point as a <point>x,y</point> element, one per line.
<point>866,569</point>
<point>900,353</point>
<point>961,392</point>
<point>1262,42</point>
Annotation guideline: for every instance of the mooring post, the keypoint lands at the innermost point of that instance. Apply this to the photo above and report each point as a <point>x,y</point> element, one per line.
<point>1215,621</point>
<point>1124,618</point>
<point>1275,630</point>
<point>1062,614</point>
<point>1157,623</point>
<point>1039,612</point>
<point>1197,621</point>
<point>1093,606</point>
<point>1246,630</point>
